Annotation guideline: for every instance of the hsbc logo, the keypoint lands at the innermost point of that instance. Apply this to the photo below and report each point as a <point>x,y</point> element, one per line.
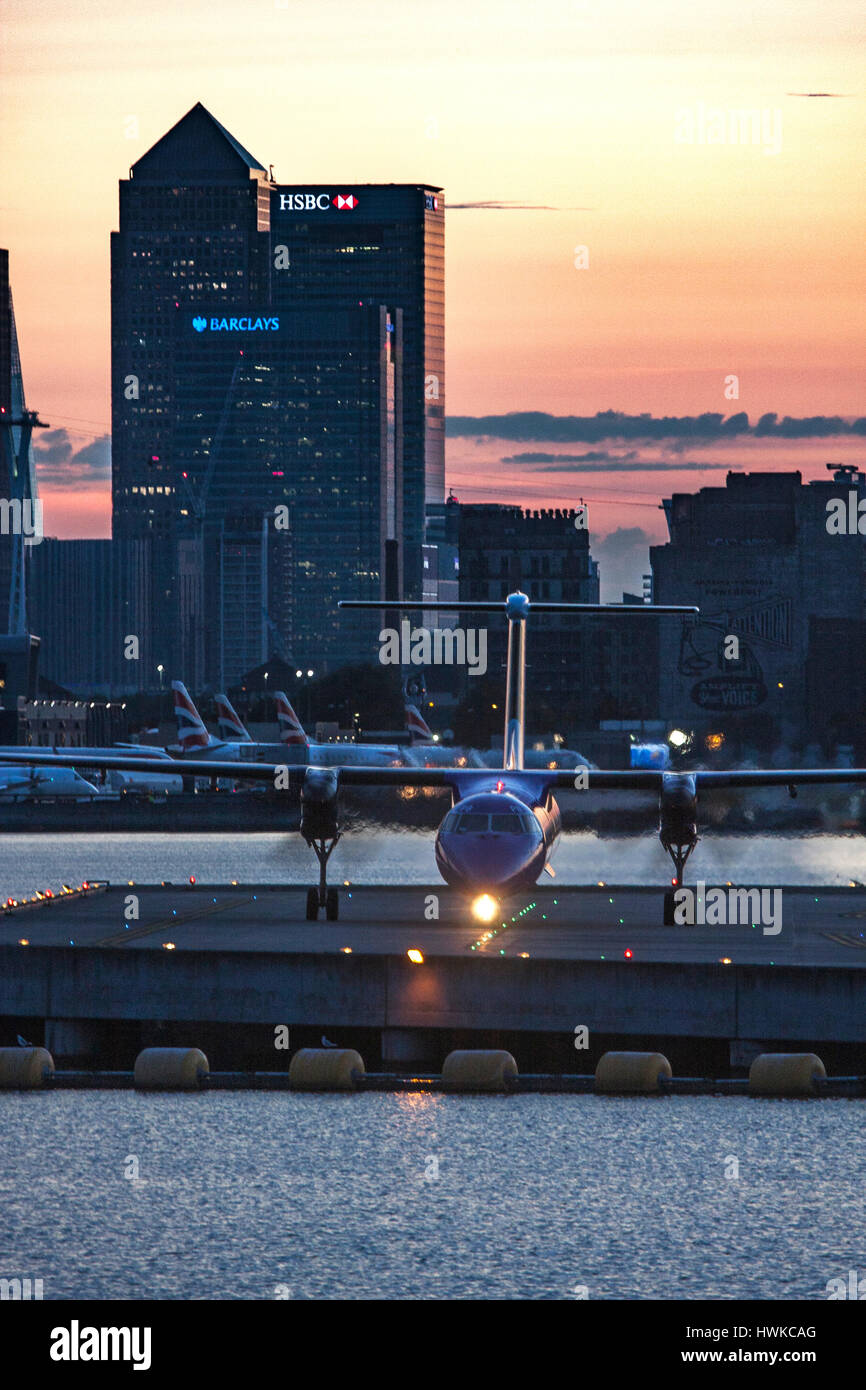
<point>317,202</point>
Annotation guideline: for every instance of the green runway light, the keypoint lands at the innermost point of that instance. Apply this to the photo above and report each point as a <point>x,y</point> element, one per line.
<point>620,921</point>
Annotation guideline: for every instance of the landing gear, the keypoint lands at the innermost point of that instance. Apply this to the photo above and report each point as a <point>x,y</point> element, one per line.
<point>320,830</point>
<point>679,855</point>
<point>323,896</point>
<point>678,828</point>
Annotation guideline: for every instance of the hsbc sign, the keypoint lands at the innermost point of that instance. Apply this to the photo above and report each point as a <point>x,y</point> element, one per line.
<point>317,202</point>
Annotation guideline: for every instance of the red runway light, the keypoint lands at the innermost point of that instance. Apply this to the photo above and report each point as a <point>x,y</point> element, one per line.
<point>627,953</point>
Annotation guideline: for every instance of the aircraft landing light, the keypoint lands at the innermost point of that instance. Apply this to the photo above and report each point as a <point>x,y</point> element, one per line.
<point>346,950</point>
<point>23,941</point>
<point>416,956</point>
<point>168,946</point>
<point>485,908</point>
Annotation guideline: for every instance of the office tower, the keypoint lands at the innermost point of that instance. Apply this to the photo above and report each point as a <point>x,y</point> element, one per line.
<point>21,517</point>
<point>89,601</point>
<point>277,361</point>
<point>759,560</point>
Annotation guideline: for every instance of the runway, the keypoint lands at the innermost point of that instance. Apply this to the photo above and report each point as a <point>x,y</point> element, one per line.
<point>126,966</point>
<point>818,927</point>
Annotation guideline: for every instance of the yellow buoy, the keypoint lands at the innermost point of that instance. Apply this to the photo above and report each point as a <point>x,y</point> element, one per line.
<point>171,1068</point>
<point>24,1068</point>
<point>785,1074</point>
<point>631,1072</point>
<point>325,1069</point>
<point>478,1070</point>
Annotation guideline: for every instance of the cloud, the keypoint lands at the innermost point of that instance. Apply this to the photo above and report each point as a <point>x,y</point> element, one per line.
<point>817,94</point>
<point>60,464</point>
<point>623,558</point>
<point>508,205</point>
<point>599,461</point>
<point>594,456</point>
<point>538,425</point>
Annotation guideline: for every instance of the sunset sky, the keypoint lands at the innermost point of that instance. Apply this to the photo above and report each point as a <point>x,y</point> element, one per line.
<point>575,124</point>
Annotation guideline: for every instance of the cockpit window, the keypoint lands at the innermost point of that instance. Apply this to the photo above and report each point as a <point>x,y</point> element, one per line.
<point>477,823</point>
<point>472,823</point>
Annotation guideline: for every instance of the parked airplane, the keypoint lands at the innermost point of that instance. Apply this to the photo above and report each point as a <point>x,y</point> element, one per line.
<point>192,735</point>
<point>424,751</point>
<point>292,736</point>
<point>19,783</point>
<point>504,823</point>
<point>229,722</point>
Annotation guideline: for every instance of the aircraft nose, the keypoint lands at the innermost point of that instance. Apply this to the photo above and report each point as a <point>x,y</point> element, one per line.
<point>490,861</point>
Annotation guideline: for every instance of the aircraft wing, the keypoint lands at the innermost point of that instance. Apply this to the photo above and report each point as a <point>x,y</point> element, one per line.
<point>128,762</point>
<point>777,777</point>
<point>292,774</point>
<point>642,780</point>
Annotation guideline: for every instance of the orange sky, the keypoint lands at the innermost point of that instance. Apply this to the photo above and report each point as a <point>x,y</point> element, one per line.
<point>741,256</point>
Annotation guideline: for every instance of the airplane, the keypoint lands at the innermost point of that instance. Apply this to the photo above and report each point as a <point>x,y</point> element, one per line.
<point>229,723</point>
<point>192,736</point>
<point>292,736</point>
<point>504,823</point>
<point>19,783</point>
<point>424,751</point>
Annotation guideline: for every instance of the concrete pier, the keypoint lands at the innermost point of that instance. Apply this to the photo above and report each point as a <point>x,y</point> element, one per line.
<point>224,967</point>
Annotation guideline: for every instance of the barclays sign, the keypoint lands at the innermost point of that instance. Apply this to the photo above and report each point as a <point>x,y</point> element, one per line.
<point>245,323</point>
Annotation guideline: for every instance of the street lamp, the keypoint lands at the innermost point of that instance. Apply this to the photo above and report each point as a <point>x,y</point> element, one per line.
<point>160,669</point>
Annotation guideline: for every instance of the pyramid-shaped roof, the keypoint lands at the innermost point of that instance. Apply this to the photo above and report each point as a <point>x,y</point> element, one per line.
<point>197,147</point>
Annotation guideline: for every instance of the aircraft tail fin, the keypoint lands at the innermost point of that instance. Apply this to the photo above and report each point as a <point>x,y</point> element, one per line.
<point>291,728</point>
<point>419,729</point>
<point>229,722</point>
<point>191,731</point>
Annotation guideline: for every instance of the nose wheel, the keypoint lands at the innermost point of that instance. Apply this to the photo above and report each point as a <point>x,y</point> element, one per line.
<point>323,898</point>
<point>679,855</point>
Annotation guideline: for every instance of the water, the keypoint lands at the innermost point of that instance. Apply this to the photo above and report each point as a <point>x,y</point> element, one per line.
<point>406,856</point>
<point>334,1196</point>
<point>250,1195</point>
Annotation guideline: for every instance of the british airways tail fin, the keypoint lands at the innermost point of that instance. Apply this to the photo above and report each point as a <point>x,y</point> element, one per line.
<point>229,723</point>
<point>291,728</point>
<point>419,729</point>
<point>191,732</point>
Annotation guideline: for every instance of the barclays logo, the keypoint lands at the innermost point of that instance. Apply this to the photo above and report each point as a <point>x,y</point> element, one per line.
<point>244,324</point>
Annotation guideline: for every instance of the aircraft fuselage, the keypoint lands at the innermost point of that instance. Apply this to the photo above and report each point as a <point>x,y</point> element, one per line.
<point>498,841</point>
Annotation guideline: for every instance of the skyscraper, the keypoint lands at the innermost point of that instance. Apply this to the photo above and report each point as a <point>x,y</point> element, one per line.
<point>277,361</point>
<point>17,472</point>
